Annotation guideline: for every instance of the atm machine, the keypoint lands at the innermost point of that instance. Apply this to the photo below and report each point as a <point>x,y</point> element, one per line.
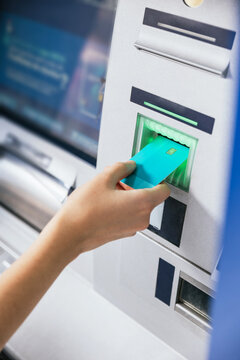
<point>172,72</point>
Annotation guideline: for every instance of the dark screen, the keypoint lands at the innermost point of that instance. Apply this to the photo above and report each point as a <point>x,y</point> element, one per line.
<point>53,63</point>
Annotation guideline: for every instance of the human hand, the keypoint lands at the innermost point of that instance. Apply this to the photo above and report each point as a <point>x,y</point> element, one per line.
<point>101,211</point>
<point>93,215</point>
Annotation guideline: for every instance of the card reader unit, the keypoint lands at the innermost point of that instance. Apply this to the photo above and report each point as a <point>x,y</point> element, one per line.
<point>147,130</point>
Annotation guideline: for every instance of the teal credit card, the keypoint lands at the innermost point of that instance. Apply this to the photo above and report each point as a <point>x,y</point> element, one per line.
<point>155,162</point>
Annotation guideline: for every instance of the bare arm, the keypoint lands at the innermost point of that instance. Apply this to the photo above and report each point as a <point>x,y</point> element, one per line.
<point>114,213</point>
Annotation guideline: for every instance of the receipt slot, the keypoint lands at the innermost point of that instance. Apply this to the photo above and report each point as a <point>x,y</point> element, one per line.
<point>193,43</point>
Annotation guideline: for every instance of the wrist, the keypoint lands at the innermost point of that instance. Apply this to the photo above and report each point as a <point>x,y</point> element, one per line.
<point>60,243</point>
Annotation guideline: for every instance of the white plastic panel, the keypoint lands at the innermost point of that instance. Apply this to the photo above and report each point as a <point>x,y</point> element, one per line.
<point>126,273</point>
<point>197,90</point>
<point>74,322</point>
<point>156,216</point>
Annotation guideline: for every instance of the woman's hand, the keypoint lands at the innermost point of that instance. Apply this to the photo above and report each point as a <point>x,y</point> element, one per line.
<point>94,214</point>
<point>101,211</point>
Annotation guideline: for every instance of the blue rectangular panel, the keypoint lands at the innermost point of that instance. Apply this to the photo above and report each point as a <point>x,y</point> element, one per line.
<point>164,281</point>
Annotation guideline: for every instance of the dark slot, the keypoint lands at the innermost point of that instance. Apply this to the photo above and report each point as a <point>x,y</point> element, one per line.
<point>210,34</point>
<point>195,299</point>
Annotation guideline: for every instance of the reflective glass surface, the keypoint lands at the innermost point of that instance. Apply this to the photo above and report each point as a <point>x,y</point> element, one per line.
<point>53,63</point>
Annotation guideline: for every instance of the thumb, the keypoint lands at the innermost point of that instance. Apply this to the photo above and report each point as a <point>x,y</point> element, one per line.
<point>158,194</point>
<point>121,170</point>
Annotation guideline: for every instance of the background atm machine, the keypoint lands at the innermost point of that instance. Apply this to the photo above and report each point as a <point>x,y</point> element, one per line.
<point>172,72</point>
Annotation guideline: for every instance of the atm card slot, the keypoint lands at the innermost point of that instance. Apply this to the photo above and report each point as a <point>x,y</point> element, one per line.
<point>155,162</point>
<point>148,129</point>
<point>190,42</point>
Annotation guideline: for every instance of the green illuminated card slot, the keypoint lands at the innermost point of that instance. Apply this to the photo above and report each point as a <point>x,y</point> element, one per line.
<point>147,130</point>
<point>155,162</point>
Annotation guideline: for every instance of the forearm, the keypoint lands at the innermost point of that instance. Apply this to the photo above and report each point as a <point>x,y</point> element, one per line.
<point>70,233</point>
<point>27,280</point>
